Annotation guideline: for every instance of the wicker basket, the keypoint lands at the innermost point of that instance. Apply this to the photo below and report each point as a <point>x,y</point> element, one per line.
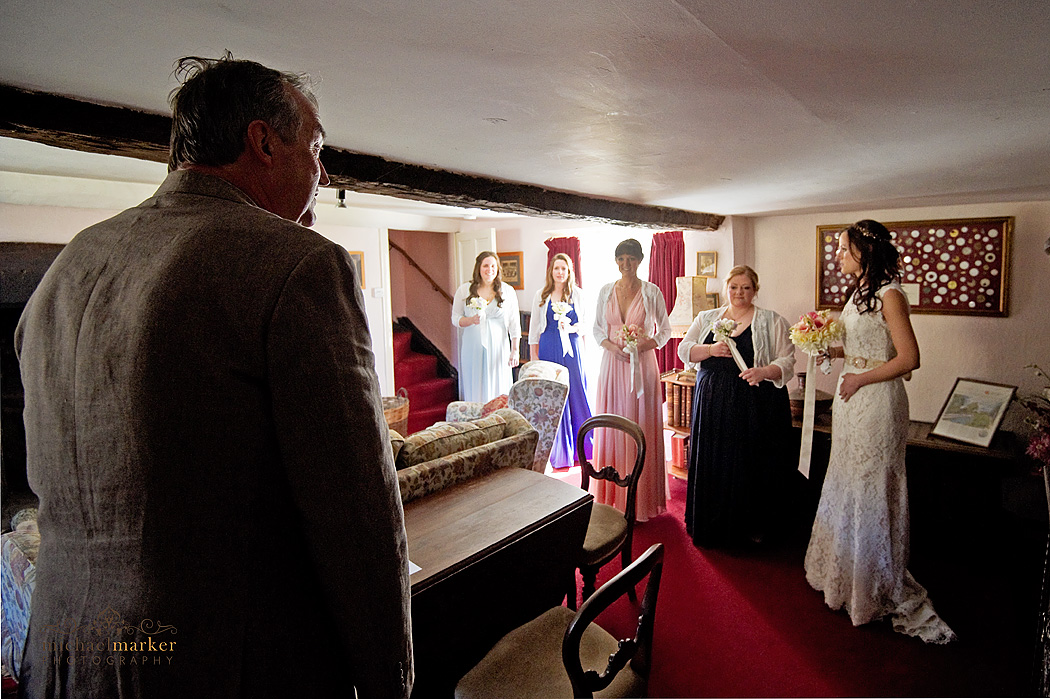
<point>395,410</point>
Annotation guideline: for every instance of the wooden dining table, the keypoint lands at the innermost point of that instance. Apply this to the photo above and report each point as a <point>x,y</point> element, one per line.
<point>493,553</point>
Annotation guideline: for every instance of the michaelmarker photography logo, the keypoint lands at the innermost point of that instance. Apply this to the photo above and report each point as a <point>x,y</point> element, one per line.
<point>110,640</point>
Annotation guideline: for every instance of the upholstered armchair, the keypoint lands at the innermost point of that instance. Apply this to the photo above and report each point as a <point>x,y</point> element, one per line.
<point>539,394</point>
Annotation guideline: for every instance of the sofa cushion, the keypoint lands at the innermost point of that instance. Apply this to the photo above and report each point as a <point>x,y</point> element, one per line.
<point>493,405</point>
<point>446,438</point>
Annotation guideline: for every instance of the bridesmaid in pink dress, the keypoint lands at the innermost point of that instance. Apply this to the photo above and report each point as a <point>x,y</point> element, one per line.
<point>631,301</point>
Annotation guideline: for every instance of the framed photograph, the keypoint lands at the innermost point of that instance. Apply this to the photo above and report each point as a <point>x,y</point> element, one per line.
<point>712,301</point>
<point>513,273</point>
<point>707,264</point>
<point>948,266</point>
<point>973,411</point>
<point>357,258</point>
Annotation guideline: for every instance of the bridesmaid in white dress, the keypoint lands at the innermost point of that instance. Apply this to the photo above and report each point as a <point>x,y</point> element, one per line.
<point>858,551</point>
<point>486,312</point>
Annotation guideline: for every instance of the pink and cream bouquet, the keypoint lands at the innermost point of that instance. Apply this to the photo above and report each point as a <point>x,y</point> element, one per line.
<point>723,331</point>
<point>631,334</point>
<point>561,315</point>
<point>813,334</point>
<point>1038,418</point>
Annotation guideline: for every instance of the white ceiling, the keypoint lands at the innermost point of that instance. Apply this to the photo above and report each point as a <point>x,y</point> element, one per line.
<point>722,106</point>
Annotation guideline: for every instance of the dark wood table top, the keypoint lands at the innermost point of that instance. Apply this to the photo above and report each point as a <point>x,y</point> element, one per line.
<point>451,529</point>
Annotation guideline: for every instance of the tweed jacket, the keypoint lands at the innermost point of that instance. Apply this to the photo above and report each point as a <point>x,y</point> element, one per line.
<point>219,510</point>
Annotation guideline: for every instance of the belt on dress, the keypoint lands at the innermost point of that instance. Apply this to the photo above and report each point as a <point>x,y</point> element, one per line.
<point>863,362</point>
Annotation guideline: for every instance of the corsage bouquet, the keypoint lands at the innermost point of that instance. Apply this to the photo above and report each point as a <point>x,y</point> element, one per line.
<point>813,334</point>
<point>723,332</point>
<point>561,314</point>
<point>631,335</point>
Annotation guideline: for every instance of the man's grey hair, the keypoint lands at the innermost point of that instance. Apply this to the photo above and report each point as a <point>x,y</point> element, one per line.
<point>219,97</point>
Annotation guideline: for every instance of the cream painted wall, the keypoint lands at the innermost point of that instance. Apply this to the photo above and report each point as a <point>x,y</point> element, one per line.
<point>991,349</point>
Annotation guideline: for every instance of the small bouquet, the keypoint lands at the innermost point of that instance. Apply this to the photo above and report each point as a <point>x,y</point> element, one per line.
<point>723,331</point>
<point>1038,418</point>
<point>561,314</point>
<point>813,334</point>
<point>478,304</point>
<point>631,335</point>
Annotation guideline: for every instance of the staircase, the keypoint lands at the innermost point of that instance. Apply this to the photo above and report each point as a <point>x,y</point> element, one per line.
<point>419,374</point>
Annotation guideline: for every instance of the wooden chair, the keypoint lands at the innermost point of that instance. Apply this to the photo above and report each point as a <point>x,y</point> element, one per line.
<point>609,531</point>
<point>547,657</point>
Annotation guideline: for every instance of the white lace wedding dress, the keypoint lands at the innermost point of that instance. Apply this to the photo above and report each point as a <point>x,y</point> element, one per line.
<point>858,552</point>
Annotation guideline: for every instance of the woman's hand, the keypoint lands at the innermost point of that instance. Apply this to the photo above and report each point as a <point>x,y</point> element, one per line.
<point>514,360</point>
<point>615,351</point>
<point>646,345</point>
<point>849,385</point>
<point>757,375</point>
<point>720,349</point>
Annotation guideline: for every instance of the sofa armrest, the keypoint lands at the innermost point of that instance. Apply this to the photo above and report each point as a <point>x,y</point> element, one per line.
<point>18,550</point>
<point>462,410</point>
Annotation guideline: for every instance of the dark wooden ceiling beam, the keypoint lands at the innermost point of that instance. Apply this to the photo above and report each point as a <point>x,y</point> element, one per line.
<point>71,123</point>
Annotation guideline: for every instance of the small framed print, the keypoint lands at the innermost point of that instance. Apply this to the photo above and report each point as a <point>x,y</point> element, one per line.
<point>707,264</point>
<point>512,269</point>
<point>973,411</point>
<point>712,301</point>
<point>357,259</point>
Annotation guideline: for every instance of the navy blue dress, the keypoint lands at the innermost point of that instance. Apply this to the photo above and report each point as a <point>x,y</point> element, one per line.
<point>577,407</point>
<point>740,457</point>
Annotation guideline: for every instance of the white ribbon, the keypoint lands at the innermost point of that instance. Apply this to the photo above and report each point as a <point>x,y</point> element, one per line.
<point>741,364</point>
<point>808,415</point>
<point>566,346</point>
<point>636,370</point>
<point>482,328</point>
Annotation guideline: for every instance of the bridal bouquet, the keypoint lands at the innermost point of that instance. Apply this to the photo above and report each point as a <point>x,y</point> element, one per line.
<point>631,335</point>
<point>723,331</point>
<point>561,314</point>
<point>813,334</point>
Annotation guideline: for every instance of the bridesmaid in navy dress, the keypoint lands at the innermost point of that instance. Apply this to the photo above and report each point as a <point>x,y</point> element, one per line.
<point>559,307</point>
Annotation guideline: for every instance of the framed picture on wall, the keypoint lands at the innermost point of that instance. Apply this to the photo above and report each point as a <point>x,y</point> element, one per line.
<point>707,264</point>
<point>712,300</point>
<point>513,272</point>
<point>357,259</point>
<point>973,411</point>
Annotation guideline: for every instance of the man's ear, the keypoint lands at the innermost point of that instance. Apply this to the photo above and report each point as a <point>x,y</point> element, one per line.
<point>259,141</point>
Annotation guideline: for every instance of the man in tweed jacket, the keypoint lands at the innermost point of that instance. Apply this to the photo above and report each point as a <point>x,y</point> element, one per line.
<point>219,511</point>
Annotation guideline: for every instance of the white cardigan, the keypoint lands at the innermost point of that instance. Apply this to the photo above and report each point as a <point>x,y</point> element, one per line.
<point>770,334</point>
<point>655,313</point>
<point>539,315</point>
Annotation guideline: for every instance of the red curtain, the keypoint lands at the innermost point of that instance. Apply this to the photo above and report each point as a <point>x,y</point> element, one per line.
<point>666,263</point>
<point>569,246</point>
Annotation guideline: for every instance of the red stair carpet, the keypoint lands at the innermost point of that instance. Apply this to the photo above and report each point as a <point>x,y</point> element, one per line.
<point>428,393</point>
<point>744,623</point>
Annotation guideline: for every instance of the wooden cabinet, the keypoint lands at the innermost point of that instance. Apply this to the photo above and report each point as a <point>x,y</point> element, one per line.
<point>678,401</point>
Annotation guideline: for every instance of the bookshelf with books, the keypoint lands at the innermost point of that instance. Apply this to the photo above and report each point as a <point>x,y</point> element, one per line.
<point>678,397</point>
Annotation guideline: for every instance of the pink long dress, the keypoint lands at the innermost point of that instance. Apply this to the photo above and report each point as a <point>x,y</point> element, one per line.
<point>614,448</point>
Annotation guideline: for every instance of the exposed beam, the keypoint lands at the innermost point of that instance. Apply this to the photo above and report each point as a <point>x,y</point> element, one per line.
<point>71,123</point>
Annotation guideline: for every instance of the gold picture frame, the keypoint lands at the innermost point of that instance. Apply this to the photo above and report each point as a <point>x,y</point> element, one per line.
<point>357,259</point>
<point>513,271</point>
<point>707,264</point>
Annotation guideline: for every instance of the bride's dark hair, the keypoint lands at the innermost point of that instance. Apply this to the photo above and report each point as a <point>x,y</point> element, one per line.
<point>879,262</point>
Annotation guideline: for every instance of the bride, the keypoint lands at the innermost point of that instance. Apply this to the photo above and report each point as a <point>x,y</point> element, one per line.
<point>858,550</point>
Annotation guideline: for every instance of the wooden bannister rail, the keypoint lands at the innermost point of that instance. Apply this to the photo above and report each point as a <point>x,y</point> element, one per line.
<point>412,262</point>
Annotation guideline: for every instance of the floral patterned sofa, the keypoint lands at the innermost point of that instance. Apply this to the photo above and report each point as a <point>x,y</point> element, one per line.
<point>18,549</point>
<point>539,394</point>
<point>452,452</point>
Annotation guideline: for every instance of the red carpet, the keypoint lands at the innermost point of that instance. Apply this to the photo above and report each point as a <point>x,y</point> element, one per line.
<point>746,623</point>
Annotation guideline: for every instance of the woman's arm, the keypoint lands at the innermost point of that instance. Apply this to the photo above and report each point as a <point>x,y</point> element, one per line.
<point>599,330</point>
<point>895,311</point>
<point>539,319</point>
<point>459,317</point>
<point>656,312</point>
<point>778,339</point>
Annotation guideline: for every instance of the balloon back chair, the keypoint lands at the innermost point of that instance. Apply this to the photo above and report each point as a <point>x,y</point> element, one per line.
<point>609,531</point>
<point>547,657</point>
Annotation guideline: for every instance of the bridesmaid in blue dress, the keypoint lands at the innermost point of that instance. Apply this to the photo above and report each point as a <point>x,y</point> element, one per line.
<point>559,307</point>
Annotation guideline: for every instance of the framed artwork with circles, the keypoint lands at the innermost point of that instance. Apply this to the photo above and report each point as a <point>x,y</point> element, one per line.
<point>950,266</point>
